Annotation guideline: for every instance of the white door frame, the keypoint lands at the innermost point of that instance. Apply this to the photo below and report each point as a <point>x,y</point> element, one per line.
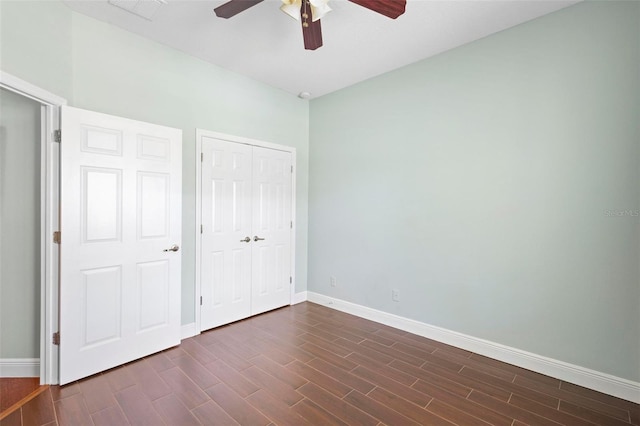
<point>246,141</point>
<point>49,217</point>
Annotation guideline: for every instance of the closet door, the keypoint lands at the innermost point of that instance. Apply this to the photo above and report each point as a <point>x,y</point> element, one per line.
<point>245,261</point>
<point>271,224</point>
<point>226,232</point>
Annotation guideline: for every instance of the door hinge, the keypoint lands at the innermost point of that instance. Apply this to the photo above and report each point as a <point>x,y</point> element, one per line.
<point>56,338</point>
<point>290,280</point>
<point>291,169</point>
<point>56,237</point>
<point>202,157</point>
<point>57,136</point>
<point>201,229</point>
<point>200,300</point>
<point>291,225</point>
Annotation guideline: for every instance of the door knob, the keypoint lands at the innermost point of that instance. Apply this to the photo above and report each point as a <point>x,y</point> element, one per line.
<point>245,240</point>
<point>256,238</point>
<point>174,247</point>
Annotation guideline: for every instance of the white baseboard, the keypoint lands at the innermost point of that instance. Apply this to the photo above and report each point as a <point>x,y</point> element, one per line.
<point>299,298</point>
<point>601,382</point>
<point>20,367</point>
<point>188,330</point>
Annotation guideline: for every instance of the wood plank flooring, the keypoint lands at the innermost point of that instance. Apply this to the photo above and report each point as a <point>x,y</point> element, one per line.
<point>14,389</point>
<point>311,365</point>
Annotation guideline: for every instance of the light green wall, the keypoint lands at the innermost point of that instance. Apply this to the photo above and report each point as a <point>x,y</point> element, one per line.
<point>103,68</point>
<point>479,183</point>
<point>122,74</point>
<point>19,226</point>
<point>35,44</point>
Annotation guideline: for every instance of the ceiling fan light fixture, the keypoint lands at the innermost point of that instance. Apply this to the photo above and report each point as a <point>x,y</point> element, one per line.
<point>291,8</point>
<point>319,8</point>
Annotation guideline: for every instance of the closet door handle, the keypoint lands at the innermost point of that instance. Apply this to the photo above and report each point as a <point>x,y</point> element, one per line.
<point>174,247</point>
<point>246,240</point>
<point>256,238</point>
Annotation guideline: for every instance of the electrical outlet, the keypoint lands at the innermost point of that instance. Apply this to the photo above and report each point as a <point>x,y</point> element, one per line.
<point>332,281</point>
<point>395,295</point>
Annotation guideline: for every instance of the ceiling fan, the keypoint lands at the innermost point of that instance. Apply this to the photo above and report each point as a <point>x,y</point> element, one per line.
<point>309,13</point>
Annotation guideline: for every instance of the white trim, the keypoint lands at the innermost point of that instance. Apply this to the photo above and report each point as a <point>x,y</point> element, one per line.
<point>50,160</point>
<point>51,252</point>
<point>19,367</point>
<point>294,225</point>
<point>24,88</point>
<point>299,297</point>
<point>242,140</point>
<point>198,224</point>
<point>601,382</point>
<point>188,330</point>
<point>200,133</point>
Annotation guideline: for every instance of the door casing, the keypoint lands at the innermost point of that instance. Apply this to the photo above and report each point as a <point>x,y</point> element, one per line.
<point>49,198</point>
<point>200,133</point>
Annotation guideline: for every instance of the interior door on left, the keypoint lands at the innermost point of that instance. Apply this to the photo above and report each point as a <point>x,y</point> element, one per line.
<point>120,236</point>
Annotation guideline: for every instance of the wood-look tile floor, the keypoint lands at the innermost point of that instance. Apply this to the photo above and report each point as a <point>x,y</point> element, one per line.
<point>14,389</point>
<point>308,364</point>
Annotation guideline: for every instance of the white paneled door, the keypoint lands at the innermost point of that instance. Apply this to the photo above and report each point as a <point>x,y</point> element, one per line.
<point>271,225</point>
<point>246,194</point>
<point>226,230</point>
<point>121,231</point>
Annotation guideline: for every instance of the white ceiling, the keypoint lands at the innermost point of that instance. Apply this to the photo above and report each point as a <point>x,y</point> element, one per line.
<point>265,44</point>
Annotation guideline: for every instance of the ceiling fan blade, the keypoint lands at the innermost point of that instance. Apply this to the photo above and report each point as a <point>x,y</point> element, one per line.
<point>233,7</point>
<point>311,31</point>
<point>312,35</point>
<point>389,8</point>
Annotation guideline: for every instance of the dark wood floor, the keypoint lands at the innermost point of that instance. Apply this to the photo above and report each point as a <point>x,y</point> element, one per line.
<point>308,364</point>
<point>13,389</point>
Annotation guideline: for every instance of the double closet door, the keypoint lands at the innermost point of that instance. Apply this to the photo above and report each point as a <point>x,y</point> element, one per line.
<point>246,231</point>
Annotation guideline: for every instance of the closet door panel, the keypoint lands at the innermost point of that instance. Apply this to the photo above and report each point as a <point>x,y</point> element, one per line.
<point>271,250</point>
<point>226,223</point>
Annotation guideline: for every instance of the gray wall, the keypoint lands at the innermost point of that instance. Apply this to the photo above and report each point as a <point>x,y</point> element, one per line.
<point>489,184</point>
<point>19,226</point>
<point>103,68</point>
